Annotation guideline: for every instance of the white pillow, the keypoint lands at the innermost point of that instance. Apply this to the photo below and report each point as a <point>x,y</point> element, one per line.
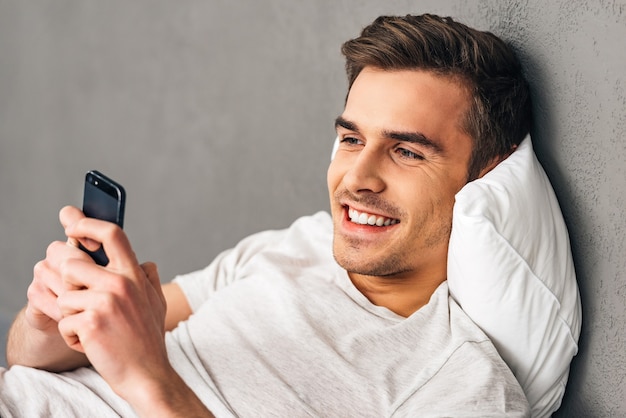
<point>510,268</point>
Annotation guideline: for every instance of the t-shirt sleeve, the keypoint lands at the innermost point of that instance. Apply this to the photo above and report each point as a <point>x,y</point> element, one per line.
<point>307,240</point>
<point>201,285</point>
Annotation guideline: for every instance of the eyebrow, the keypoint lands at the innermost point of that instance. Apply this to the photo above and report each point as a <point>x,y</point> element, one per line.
<point>410,137</point>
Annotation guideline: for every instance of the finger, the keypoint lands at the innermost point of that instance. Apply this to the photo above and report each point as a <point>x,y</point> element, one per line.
<point>77,274</point>
<point>94,306</point>
<point>39,315</point>
<point>69,328</point>
<point>89,244</point>
<point>112,237</point>
<point>76,301</point>
<point>40,310</point>
<point>69,215</point>
<point>59,251</point>
<point>85,244</point>
<point>38,319</point>
<point>45,277</point>
<point>48,271</point>
<point>152,273</point>
<point>42,295</point>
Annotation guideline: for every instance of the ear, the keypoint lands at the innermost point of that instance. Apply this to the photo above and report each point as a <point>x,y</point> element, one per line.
<point>495,161</point>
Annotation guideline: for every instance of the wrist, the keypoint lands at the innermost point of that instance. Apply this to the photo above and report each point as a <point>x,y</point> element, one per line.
<point>40,348</point>
<point>165,396</point>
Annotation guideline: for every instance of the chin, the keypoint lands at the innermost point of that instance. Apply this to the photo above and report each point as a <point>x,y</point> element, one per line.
<point>354,263</point>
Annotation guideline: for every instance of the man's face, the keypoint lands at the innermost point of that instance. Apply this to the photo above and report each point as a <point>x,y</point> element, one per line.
<point>402,158</point>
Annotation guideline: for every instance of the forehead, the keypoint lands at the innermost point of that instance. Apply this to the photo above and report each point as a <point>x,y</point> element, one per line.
<point>408,100</point>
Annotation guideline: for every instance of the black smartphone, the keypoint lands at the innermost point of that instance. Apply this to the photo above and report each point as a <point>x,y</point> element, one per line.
<point>104,199</point>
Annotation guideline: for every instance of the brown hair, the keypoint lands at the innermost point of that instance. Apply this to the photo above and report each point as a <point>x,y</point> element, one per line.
<point>500,111</point>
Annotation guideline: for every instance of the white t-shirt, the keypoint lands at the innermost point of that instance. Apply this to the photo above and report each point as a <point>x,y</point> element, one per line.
<point>278,329</point>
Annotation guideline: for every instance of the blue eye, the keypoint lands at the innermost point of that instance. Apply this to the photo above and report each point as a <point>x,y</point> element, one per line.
<point>405,153</point>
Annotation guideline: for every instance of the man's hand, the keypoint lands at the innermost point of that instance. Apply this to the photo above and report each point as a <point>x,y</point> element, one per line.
<point>42,311</point>
<point>116,316</point>
<point>113,314</point>
<point>34,339</point>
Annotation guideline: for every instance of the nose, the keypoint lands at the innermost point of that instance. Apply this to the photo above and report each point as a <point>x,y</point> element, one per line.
<point>365,173</point>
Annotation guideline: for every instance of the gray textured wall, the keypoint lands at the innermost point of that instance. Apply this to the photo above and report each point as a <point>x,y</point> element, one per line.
<point>217,117</point>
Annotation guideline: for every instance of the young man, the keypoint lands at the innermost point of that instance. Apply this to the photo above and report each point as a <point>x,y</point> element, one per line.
<point>357,322</point>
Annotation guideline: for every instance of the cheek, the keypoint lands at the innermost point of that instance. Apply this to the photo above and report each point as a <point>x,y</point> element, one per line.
<point>442,221</point>
<point>432,204</point>
<point>333,176</point>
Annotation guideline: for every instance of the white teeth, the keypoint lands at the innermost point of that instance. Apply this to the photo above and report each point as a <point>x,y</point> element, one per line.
<point>364,218</point>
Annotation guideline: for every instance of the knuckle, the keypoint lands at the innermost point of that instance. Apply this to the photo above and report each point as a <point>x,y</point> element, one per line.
<point>120,285</point>
<point>114,232</point>
<point>64,266</point>
<point>53,247</point>
<point>108,307</point>
<point>50,250</point>
<point>33,291</point>
<point>39,268</point>
<point>92,320</point>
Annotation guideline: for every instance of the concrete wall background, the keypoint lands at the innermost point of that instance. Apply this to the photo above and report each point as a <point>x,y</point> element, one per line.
<point>217,117</point>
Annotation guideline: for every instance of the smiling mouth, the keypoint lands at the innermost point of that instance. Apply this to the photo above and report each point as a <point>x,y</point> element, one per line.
<point>364,218</point>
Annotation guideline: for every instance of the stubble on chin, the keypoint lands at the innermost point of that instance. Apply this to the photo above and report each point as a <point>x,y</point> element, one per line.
<point>349,252</point>
<point>349,255</point>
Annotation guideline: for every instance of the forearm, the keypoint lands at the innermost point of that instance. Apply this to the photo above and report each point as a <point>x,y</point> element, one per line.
<point>28,346</point>
<point>165,397</point>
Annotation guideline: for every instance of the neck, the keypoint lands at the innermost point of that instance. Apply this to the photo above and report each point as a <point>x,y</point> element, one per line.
<point>401,295</point>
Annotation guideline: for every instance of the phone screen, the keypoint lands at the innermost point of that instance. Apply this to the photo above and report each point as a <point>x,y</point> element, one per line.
<point>103,199</point>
